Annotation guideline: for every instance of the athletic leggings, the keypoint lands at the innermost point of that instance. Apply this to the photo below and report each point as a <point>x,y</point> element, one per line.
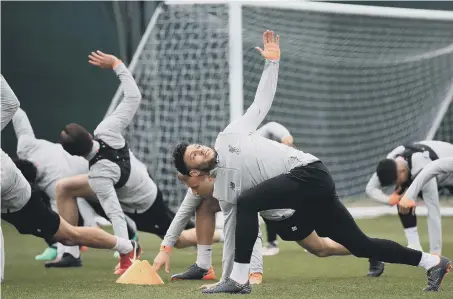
<point>408,220</point>
<point>310,190</point>
<point>271,232</point>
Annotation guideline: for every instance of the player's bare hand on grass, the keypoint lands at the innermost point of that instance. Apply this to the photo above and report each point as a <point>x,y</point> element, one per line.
<point>405,205</point>
<point>160,260</point>
<point>271,46</point>
<point>208,286</point>
<point>102,60</point>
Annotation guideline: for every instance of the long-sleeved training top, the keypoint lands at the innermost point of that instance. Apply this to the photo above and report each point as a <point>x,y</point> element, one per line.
<point>429,190</point>
<point>15,190</point>
<point>51,160</point>
<point>271,130</point>
<point>139,192</point>
<point>246,159</point>
<point>9,102</point>
<point>442,169</point>
<point>419,161</point>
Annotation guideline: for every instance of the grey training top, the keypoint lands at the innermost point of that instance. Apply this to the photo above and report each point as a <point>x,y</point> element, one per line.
<point>442,169</point>
<point>51,160</point>
<point>139,192</point>
<point>16,191</point>
<point>246,159</point>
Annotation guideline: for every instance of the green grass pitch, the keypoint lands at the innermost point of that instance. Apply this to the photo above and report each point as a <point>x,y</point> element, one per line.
<point>291,274</point>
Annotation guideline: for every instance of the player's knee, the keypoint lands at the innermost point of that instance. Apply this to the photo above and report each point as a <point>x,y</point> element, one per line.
<point>245,203</point>
<point>213,206</point>
<point>61,189</point>
<point>208,206</point>
<point>321,252</point>
<point>181,242</point>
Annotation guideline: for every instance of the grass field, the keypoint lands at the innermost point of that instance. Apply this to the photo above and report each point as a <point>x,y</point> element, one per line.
<point>291,274</point>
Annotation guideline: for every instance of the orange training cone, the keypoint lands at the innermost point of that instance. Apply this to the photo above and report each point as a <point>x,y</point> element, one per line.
<point>140,272</point>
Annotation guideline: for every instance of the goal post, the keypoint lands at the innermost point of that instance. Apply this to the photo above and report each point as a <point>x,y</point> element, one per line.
<point>355,81</point>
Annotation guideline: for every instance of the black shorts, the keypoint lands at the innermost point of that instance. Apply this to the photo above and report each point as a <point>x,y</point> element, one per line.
<point>157,219</point>
<point>35,218</point>
<point>293,228</point>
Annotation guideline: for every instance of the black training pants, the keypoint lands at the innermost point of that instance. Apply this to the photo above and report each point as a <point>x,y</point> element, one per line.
<point>310,190</point>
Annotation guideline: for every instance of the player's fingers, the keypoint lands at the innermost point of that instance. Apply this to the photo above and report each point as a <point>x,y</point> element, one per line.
<point>94,62</point>
<point>96,55</point>
<point>93,58</point>
<point>265,37</point>
<point>260,50</point>
<point>157,266</point>
<point>101,53</point>
<point>277,39</point>
<point>271,37</point>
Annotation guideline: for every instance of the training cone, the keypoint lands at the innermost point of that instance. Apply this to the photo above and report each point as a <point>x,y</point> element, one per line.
<point>140,272</point>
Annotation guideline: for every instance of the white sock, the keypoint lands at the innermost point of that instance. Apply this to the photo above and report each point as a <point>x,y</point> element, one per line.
<point>428,261</point>
<point>412,237</point>
<point>123,246</point>
<point>72,250</point>
<point>240,273</point>
<point>204,256</point>
<point>60,250</point>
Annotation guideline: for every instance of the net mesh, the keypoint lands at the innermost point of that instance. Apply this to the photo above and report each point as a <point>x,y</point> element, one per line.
<point>183,76</point>
<point>445,131</point>
<point>351,87</point>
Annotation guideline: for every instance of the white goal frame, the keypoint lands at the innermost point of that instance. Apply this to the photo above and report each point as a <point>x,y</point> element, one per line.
<point>236,99</point>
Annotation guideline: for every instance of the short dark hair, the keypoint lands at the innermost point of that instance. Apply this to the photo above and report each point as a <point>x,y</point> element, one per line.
<point>178,158</point>
<point>28,169</point>
<point>76,140</point>
<point>387,172</point>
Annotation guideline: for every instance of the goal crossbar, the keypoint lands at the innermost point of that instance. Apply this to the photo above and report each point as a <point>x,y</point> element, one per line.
<point>336,8</point>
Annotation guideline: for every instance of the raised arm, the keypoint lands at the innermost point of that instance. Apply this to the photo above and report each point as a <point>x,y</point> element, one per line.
<point>265,93</point>
<point>124,113</point>
<point>430,171</point>
<point>9,102</point>
<point>26,140</point>
<point>22,125</point>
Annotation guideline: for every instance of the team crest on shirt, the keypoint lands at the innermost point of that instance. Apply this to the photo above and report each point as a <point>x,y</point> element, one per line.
<point>234,150</point>
<point>232,186</point>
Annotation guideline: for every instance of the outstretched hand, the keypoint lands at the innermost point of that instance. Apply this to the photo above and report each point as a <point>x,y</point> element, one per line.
<point>103,60</point>
<point>162,259</point>
<point>271,46</point>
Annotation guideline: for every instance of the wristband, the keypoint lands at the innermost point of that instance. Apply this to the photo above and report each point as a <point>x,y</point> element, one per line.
<point>166,249</point>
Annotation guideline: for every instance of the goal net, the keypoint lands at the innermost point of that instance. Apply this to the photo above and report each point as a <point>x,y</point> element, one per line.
<point>352,86</point>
